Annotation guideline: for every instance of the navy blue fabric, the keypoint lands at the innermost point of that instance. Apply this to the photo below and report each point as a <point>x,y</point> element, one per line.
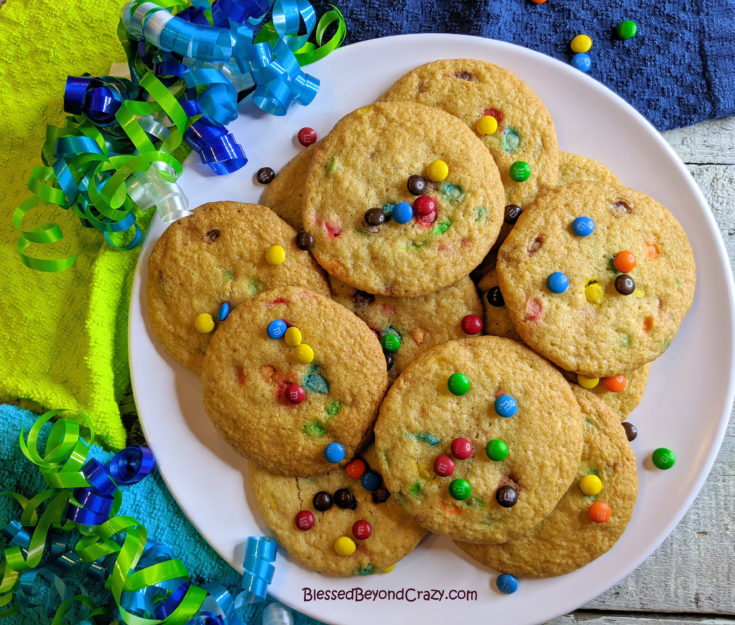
<point>679,69</point>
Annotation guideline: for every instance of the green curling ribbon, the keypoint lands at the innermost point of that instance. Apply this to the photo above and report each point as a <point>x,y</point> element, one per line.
<point>100,164</point>
<point>309,52</point>
<point>61,462</point>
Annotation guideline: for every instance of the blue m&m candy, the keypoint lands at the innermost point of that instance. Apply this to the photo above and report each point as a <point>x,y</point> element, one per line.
<point>506,583</point>
<point>277,328</point>
<point>582,62</point>
<point>557,282</point>
<point>402,212</point>
<point>223,311</point>
<point>370,480</point>
<point>583,226</point>
<point>334,452</point>
<point>506,406</point>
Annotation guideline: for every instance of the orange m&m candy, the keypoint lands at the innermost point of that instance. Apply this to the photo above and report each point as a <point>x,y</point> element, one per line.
<point>355,468</point>
<point>614,384</point>
<point>599,512</point>
<point>624,262</point>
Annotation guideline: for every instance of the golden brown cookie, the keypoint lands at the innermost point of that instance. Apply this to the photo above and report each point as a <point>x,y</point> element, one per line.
<point>470,89</point>
<point>575,168</point>
<point>568,539</point>
<point>365,164</point>
<point>285,194</point>
<point>566,292</point>
<point>393,534</point>
<point>419,323</point>
<point>217,255</point>
<point>282,401</point>
<point>426,430</point>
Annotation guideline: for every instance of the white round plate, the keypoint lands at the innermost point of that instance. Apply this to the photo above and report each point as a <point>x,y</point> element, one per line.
<point>685,407</point>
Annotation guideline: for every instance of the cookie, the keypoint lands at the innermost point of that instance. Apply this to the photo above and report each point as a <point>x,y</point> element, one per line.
<point>497,323</point>
<point>575,168</point>
<point>285,194</point>
<point>433,444</point>
<point>568,539</point>
<point>392,534</point>
<point>566,294</point>
<point>419,323</point>
<point>283,401</point>
<point>214,256</point>
<point>471,89</point>
<point>365,164</point>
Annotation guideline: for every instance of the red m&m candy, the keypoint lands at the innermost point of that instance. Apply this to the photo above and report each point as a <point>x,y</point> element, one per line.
<point>355,468</point>
<point>444,465</point>
<point>307,136</point>
<point>424,205</point>
<point>472,324</point>
<point>461,448</point>
<point>294,394</point>
<point>305,520</point>
<point>362,530</point>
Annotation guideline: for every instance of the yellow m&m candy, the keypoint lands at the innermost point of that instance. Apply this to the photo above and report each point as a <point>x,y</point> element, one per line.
<point>590,485</point>
<point>588,383</point>
<point>344,546</point>
<point>204,323</point>
<point>437,170</point>
<point>304,353</point>
<point>486,125</point>
<point>275,255</point>
<point>581,43</point>
<point>292,336</point>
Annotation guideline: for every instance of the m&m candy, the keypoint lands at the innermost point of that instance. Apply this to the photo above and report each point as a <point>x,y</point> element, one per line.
<point>443,465</point>
<point>496,450</point>
<point>461,448</point>
<point>204,323</point>
<point>581,43</point>
<point>305,520</point>
<point>624,262</point>
<point>520,171</point>
<point>292,336</point>
<point>557,282</point>
<point>306,136</point>
<point>304,353</point>
<point>627,29</point>
<point>402,213</point>
<point>460,489</point>
<point>294,394</point>
<point>437,170</point>
<point>582,62</point>
<point>362,530</point>
<point>614,384</point>
<point>334,452</point>
<point>390,342</point>
<point>506,583</point>
<point>370,480</point>
<point>486,125</point>
<point>506,406</point>
<point>663,458</point>
<point>583,226</point>
<point>590,485</point>
<point>344,546</point>
<point>472,324</point>
<point>599,512</point>
<point>506,496</point>
<point>355,468</point>
<point>458,384</point>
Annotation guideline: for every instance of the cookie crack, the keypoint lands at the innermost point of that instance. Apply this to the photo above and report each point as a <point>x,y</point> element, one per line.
<point>298,492</point>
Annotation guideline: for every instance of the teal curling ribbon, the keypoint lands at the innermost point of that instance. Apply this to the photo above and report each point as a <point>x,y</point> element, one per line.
<point>147,583</point>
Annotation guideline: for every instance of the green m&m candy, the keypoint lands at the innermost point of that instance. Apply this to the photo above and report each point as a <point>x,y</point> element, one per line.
<point>663,458</point>
<point>496,450</point>
<point>627,29</point>
<point>460,489</point>
<point>458,384</point>
<point>391,342</point>
<point>520,171</point>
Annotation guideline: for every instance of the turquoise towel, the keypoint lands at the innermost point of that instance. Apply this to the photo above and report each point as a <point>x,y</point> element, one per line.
<point>148,501</point>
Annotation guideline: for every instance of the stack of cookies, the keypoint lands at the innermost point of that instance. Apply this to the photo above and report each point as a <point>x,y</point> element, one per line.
<point>344,349</point>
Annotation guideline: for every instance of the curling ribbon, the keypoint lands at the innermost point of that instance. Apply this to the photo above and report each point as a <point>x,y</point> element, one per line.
<point>114,157</point>
<point>148,585</point>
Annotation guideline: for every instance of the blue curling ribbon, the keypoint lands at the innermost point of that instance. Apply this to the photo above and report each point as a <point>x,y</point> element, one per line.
<point>131,465</point>
<point>241,11</point>
<point>219,100</point>
<point>259,555</point>
<point>17,534</point>
<point>98,98</point>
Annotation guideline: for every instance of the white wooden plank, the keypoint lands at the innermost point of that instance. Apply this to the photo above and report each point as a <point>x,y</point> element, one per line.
<point>708,142</point>
<point>592,618</point>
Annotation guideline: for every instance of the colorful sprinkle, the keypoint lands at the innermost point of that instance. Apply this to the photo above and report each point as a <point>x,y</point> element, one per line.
<point>305,520</point>
<point>506,406</point>
<point>486,125</point>
<point>362,530</point>
<point>588,383</point>
<point>204,323</point>
<point>402,212</point>
<point>615,384</point>
<point>458,384</point>
<point>275,255</point>
<point>294,394</point>
<point>334,452</point>
<point>496,450</point>
<point>583,226</point>
<point>355,468</point>
<point>520,171</point>
<point>624,262</point>
<point>292,336</point>
<point>511,140</point>
<point>582,62</point>
<point>594,293</point>
<point>460,489</point>
<point>437,170</point>
<point>304,353</point>
<point>627,29</point>
<point>461,448</point>
<point>581,43</point>
<point>344,546</point>
<point>472,324</point>
<point>599,512</point>
<point>223,311</point>
<point>307,136</point>
<point>443,465</point>
<point>506,583</point>
<point>590,485</point>
<point>557,282</point>
<point>332,165</point>
<point>314,381</point>
<point>663,458</point>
